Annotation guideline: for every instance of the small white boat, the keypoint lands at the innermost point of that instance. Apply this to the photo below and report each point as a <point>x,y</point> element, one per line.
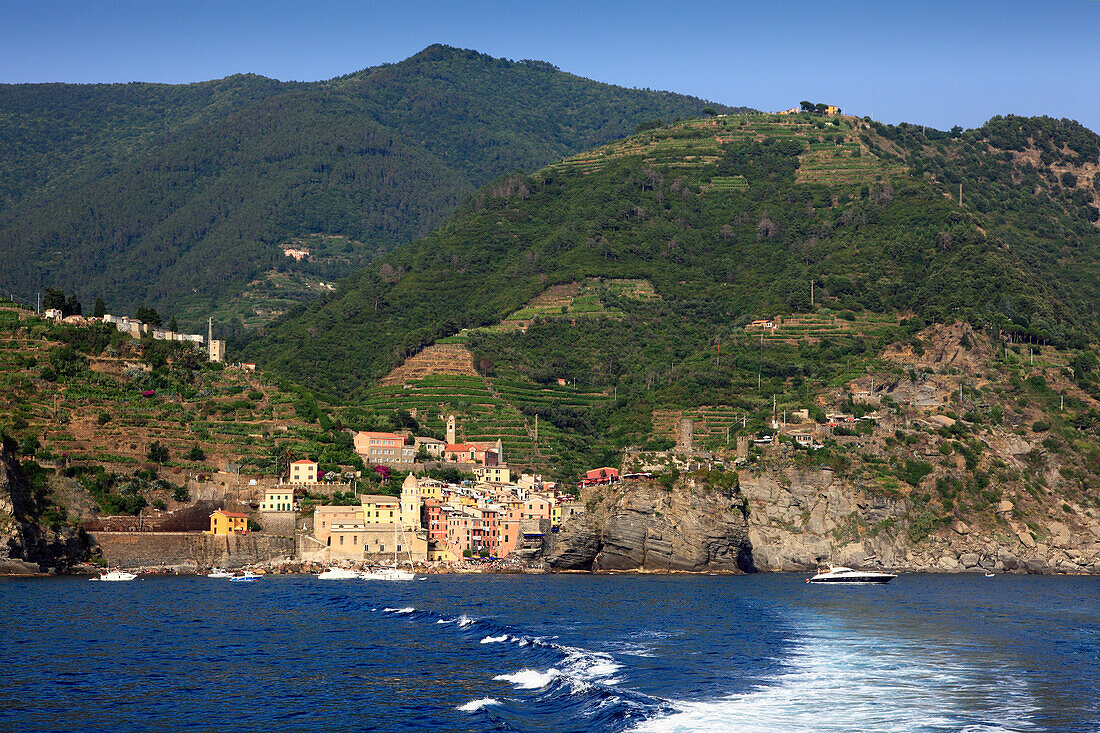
<point>990,575</point>
<point>218,573</point>
<point>115,576</point>
<point>841,574</point>
<point>338,574</point>
<point>387,574</point>
<point>245,577</point>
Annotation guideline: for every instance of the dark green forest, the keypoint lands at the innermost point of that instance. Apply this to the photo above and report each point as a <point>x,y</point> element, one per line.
<point>176,196</point>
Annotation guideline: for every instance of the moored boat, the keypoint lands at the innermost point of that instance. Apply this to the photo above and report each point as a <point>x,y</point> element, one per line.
<point>218,573</point>
<point>116,576</point>
<point>338,574</point>
<point>840,574</point>
<point>245,577</point>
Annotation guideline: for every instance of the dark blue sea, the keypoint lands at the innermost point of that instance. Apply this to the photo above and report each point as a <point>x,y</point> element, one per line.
<point>551,653</point>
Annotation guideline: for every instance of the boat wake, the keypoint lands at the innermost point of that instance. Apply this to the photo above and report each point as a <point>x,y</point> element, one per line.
<point>838,680</point>
<point>567,686</point>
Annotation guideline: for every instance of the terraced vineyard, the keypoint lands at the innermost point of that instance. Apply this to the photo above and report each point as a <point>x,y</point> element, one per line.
<point>576,300</point>
<point>486,410</point>
<point>826,323</point>
<point>710,424</point>
<point>834,155</point>
<point>108,410</point>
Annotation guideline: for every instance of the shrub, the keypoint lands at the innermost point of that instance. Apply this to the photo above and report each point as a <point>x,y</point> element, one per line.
<point>104,418</point>
<point>196,453</point>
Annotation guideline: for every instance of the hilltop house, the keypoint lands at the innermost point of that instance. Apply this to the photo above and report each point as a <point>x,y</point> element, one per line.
<point>485,454</point>
<point>303,472</point>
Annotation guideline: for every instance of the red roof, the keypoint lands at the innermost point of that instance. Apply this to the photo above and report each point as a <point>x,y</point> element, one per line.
<point>230,514</point>
<point>304,461</point>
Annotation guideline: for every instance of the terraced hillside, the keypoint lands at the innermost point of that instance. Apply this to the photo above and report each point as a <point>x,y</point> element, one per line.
<point>486,409</point>
<point>836,149</point>
<point>88,395</point>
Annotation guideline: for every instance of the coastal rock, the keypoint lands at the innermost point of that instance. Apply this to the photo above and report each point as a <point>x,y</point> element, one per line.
<point>24,544</point>
<point>646,527</point>
<point>969,559</point>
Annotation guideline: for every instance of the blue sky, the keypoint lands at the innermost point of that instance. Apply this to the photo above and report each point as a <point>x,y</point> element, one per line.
<point>937,63</point>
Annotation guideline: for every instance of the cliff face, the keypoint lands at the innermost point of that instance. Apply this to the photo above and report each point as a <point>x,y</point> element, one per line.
<point>26,547</point>
<point>798,519</point>
<point>644,527</point>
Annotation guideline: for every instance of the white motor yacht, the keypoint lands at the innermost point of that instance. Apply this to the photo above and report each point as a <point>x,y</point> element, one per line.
<point>116,575</point>
<point>218,573</point>
<point>338,574</point>
<point>841,574</point>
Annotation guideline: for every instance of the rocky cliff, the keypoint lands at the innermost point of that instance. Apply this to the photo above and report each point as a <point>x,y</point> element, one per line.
<point>799,518</point>
<point>25,546</point>
<point>645,527</point>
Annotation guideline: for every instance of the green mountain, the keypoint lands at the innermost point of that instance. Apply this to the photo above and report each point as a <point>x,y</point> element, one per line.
<point>184,197</point>
<point>726,221</point>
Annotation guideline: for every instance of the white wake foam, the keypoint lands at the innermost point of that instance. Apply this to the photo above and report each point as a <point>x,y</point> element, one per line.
<point>494,639</point>
<point>844,681</point>
<point>464,621</point>
<point>530,679</point>
<point>407,609</point>
<point>475,705</point>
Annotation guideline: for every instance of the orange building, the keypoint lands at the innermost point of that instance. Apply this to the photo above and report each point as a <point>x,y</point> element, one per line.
<point>223,522</point>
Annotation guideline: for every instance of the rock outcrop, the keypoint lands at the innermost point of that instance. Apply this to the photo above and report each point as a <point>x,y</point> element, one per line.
<point>645,527</point>
<point>25,546</point>
<point>792,520</point>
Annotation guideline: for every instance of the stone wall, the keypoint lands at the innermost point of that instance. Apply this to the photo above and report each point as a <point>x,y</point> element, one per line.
<point>134,549</point>
<point>282,524</point>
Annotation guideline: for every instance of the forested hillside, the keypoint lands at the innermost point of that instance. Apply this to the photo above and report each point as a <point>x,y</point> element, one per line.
<point>180,196</point>
<point>730,219</point>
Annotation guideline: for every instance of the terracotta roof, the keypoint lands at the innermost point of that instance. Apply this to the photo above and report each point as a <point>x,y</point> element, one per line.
<point>304,461</point>
<point>230,514</point>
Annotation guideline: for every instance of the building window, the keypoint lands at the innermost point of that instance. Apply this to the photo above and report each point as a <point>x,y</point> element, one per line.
<point>355,539</point>
<point>381,548</point>
<point>341,539</point>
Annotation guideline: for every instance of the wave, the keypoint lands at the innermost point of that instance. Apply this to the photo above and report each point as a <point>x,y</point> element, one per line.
<point>530,679</point>
<point>475,705</point>
<point>464,621</point>
<point>495,639</point>
<point>407,609</point>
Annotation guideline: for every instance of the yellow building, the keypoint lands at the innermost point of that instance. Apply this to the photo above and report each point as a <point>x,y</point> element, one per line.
<point>279,499</point>
<point>493,474</point>
<point>223,522</point>
<point>303,472</point>
<point>380,509</point>
<point>832,109</point>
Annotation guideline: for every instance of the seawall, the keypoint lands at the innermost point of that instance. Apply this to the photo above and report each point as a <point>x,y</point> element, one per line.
<point>134,549</point>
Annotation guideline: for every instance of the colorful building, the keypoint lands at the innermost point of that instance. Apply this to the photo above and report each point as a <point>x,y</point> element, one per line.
<point>223,522</point>
<point>389,449</point>
<point>303,472</point>
<point>278,499</point>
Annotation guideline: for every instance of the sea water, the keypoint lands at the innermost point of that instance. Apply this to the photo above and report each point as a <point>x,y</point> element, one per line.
<point>552,653</point>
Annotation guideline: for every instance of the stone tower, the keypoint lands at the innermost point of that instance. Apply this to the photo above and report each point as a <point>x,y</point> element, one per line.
<point>742,447</point>
<point>686,442</point>
<point>452,430</point>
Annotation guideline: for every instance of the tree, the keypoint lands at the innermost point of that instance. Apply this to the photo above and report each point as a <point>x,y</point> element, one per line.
<point>30,445</point>
<point>157,453</point>
<point>173,325</point>
<point>710,111</point>
<point>806,106</point>
<point>54,299</point>
<point>73,306</point>
<point>148,315</point>
<point>196,453</point>
<point>99,309</point>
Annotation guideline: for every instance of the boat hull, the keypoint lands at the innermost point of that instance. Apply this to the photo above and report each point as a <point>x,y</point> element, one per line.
<point>876,580</point>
